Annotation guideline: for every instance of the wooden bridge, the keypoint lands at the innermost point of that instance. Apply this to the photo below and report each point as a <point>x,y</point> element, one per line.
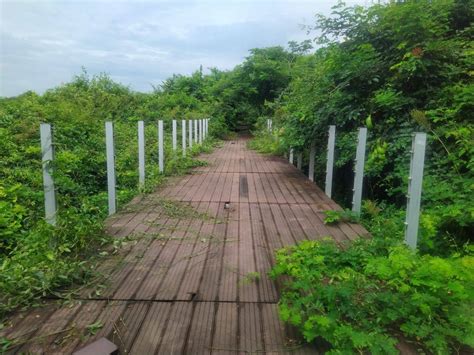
<point>191,276</point>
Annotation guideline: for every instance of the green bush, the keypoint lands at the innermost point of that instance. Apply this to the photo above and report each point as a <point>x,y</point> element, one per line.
<point>36,259</point>
<point>361,298</point>
<point>398,67</point>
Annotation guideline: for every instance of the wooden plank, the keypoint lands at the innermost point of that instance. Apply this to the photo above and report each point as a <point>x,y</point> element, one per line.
<point>116,222</point>
<point>217,193</point>
<point>248,291</point>
<point>348,231</point>
<point>181,186</point>
<point>359,230</point>
<point>230,263</point>
<point>225,341</point>
<point>280,194</point>
<point>285,179</point>
<point>199,340</point>
<point>130,226</point>
<point>273,241</point>
<point>57,322</point>
<point>333,230</point>
<point>243,188</point>
<point>267,188</point>
<point>293,224</point>
<point>266,287</point>
<point>151,331</point>
<point>227,188</point>
<point>123,269</point>
<point>175,335</point>
<point>305,191</point>
<point>172,279</point>
<point>28,327</point>
<point>139,270</point>
<point>194,187</point>
<point>307,226</point>
<point>277,180</point>
<point>109,318</point>
<point>186,255</point>
<point>209,287</point>
<point>204,192</point>
<point>252,189</point>
<point>153,267</point>
<point>251,340</point>
<point>126,328</point>
<point>274,334</point>
<point>86,315</point>
<point>261,197</point>
<point>234,195</point>
<point>192,279</point>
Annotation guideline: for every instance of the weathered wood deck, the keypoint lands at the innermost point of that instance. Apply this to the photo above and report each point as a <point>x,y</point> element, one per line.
<point>194,279</point>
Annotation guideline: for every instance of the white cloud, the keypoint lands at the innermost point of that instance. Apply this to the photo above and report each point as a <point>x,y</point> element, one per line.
<point>44,43</point>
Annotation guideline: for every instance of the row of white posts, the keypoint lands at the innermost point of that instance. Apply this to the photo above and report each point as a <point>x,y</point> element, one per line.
<point>415,178</point>
<point>201,130</point>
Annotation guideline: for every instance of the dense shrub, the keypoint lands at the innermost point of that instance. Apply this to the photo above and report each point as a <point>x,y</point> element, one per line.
<point>396,68</point>
<point>362,297</point>
<point>36,259</point>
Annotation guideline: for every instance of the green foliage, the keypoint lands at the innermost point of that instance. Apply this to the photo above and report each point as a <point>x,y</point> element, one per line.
<point>93,328</point>
<point>250,277</point>
<point>396,68</point>
<point>241,94</point>
<point>333,217</point>
<point>360,297</point>
<point>37,260</point>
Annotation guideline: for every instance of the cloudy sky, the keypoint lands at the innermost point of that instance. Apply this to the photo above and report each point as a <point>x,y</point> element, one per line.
<point>44,43</point>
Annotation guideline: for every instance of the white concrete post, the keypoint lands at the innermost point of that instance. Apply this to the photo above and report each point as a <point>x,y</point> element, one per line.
<point>195,131</point>
<point>299,160</point>
<point>359,170</point>
<point>110,151</point>
<point>203,129</point>
<point>312,153</point>
<point>190,138</point>
<point>47,157</point>
<point>161,164</point>
<point>200,131</point>
<point>141,154</point>
<point>330,160</point>
<point>183,136</point>
<point>174,135</point>
<point>415,182</point>
<point>291,157</point>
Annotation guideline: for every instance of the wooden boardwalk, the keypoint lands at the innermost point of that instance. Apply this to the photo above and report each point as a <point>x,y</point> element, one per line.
<point>192,275</point>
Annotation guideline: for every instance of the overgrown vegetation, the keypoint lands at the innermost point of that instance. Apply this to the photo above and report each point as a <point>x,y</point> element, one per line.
<point>396,68</point>
<point>333,217</point>
<point>35,258</point>
<point>362,298</point>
